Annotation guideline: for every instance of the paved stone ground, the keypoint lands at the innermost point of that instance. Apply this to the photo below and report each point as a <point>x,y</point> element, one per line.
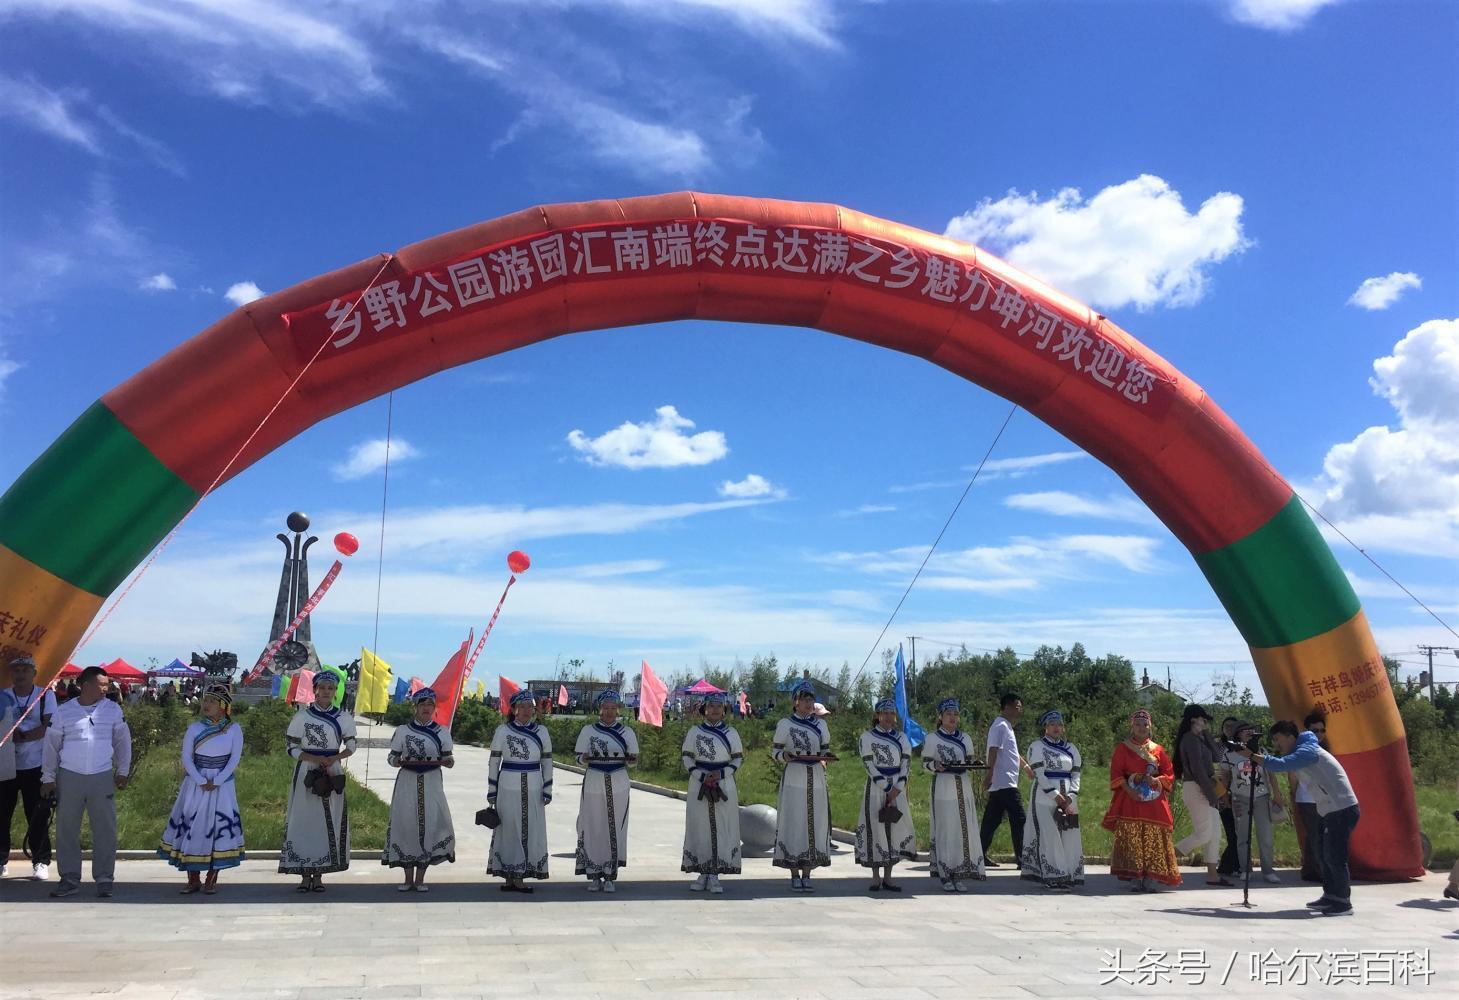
<point>258,939</point>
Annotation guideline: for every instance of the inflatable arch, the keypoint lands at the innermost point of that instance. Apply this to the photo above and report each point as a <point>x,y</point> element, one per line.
<point>96,502</point>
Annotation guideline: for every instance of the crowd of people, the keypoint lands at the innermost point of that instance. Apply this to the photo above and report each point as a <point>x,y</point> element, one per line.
<point>78,752</point>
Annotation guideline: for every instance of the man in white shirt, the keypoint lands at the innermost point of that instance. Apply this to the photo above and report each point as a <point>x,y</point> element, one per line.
<point>35,707</point>
<point>87,741</point>
<point>1001,779</point>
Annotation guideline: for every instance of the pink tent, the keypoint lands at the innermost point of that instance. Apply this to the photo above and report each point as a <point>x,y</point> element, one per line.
<point>702,686</point>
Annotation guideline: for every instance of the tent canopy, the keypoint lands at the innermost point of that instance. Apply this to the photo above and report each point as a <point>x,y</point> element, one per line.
<point>118,670</point>
<point>176,669</point>
<point>702,686</point>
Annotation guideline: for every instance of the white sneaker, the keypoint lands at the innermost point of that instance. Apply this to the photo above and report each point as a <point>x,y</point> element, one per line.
<point>5,870</point>
<point>594,885</point>
<point>1273,878</point>
<point>795,883</point>
<point>41,872</point>
<point>609,886</point>
<point>699,883</point>
<point>949,887</point>
<point>714,885</point>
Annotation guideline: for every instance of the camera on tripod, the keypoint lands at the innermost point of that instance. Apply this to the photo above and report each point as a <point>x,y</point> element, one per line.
<point>1252,744</point>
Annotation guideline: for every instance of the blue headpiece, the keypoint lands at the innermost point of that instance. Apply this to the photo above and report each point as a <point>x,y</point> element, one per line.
<point>324,677</point>
<point>713,698</point>
<point>802,687</point>
<point>1052,715</point>
<point>529,697</point>
<point>608,695</point>
<point>886,705</point>
<point>949,705</point>
<point>424,694</point>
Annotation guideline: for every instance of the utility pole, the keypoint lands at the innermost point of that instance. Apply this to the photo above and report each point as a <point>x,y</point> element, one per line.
<point>1430,651</point>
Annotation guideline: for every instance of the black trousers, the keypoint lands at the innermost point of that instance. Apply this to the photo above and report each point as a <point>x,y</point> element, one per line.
<point>1230,863</point>
<point>25,788</point>
<point>1311,842</point>
<point>1005,801</point>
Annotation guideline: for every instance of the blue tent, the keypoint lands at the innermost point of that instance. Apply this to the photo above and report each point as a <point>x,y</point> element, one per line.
<point>177,669</point>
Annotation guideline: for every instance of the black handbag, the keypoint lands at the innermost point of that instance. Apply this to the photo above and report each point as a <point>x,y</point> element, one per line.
<point>324,784</point>
<point>888,814</point>
<point>488,818</point>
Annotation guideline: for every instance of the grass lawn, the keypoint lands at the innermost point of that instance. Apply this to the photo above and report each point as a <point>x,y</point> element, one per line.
<point>759,782</point>
<point>263,788</point>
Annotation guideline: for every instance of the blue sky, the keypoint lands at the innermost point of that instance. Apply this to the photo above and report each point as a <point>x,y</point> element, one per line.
<point>1262,190</point>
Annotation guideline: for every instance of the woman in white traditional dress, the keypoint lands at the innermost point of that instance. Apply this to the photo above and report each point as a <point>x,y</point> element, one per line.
<point>519,788</point>
<point>1053,850</point>
<point>607,748</point>
<point>712,753</point>
<point>956,845</point>
<point>205,831</point>
<point>420,833</point>
<point>317,824</point>
<point>803,818</point>
<point>884,833</point>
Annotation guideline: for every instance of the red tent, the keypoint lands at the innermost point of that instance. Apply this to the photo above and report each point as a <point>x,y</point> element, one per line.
<point>120,670</point>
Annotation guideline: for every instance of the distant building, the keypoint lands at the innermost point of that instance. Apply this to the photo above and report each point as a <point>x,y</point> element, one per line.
<point>827,694</point>
<point>1148,689</point>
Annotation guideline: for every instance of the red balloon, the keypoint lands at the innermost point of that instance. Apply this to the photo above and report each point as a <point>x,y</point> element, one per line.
<point>346,544</point>
<point>518,562</point>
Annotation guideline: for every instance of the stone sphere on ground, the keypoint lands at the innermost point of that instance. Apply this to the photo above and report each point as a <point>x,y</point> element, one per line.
<point>757,828</point>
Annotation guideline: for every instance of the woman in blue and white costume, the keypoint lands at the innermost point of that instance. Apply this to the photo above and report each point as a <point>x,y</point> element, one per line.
<point>420,833</point>
<point>607,748</point>
<point>803,816</point>
<point>519,788</point>
<point>317,827</point>
<point>712,753</point>
<point>1053,850</point>
<point>205,831</point>
<point>887,756</point>
<point>957,847</point>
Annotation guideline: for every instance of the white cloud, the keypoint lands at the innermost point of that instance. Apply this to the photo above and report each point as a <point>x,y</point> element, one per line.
<point>1131,244</point>
<point>657,444</point>
<point>369,456</point>
<point>1022,465</point>
<point>752,485</point>
<point>1062,504</point>
<point>1380,293</point>
<point>1399,488</point>
<point>159,282</point>
<point>47,111</point>
<point>243,292</point>
<point>1278,15</point>
<point>812,21</point>
<point>8,367</point>
<point>867,508</point>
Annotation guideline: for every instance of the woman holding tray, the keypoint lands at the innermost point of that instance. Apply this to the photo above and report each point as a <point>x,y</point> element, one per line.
<point>803,820</point>
<point>712,753</point>
<point>607,748</point>
<point>420,833</point>
<point>957,848</point>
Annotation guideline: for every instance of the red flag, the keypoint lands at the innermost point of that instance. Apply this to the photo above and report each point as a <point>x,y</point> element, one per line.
<point>507,689</point>
<point>301,688</point>
<point>651,697</point>
<point>562,695</point>
<point>744,698</point>
<point>448,685</point>
<point>415,685</point>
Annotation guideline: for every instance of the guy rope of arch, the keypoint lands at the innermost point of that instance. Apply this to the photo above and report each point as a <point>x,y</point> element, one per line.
<point>138,460</point>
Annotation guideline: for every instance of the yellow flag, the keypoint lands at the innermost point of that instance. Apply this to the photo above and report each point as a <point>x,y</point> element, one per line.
<point>480,693</point>
<point>374,693</point>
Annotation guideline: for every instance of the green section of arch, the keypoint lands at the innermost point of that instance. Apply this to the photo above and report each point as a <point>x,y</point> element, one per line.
<point>92,507</point>
<point>1280,583</point>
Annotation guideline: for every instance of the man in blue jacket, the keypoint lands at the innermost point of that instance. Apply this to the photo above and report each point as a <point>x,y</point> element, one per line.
<point>1336,804</point>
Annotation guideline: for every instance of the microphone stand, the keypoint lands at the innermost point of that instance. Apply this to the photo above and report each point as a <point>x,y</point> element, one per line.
<point>1250,819</point>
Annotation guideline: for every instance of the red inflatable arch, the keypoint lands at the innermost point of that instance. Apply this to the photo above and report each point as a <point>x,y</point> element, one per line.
<point>90,508</point>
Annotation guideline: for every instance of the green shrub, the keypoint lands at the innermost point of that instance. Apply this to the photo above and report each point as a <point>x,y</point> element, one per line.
<point>264,726</point>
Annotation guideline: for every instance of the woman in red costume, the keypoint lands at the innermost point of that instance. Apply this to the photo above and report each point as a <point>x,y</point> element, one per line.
<point>1141,777</point>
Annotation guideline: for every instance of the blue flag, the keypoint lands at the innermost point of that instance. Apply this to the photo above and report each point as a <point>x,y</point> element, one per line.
<point>915,733</point>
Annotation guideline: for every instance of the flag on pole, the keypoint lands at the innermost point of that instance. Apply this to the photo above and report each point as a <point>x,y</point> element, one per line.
<point>415,685</point>
<point>651,697</point>
<point>397,694</point>
<point>373,696</point>
<point>448,686</point>
<point>744,699</point>
<point>301,688</point>
<point>915,733</point>
<point>480,693</point>
<point>505,690</point>
<point>562,695</point>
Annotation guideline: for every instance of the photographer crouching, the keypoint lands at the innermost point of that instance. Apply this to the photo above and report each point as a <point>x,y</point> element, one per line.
<point>1336,804</point>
